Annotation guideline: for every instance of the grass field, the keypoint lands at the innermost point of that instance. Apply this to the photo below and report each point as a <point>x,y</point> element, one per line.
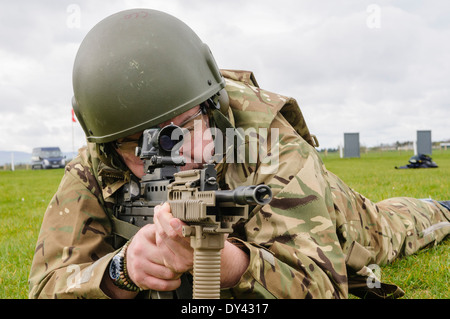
<point>25,195</point>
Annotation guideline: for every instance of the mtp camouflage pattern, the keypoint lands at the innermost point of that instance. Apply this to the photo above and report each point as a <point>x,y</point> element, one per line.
<point>315,239</point>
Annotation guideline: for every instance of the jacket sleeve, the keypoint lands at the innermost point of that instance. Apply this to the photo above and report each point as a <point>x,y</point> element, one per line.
<point>73,250</point>
<point>292,242</point>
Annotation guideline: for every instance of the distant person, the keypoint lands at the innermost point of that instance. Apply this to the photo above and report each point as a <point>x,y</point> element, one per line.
<point>142,68</point>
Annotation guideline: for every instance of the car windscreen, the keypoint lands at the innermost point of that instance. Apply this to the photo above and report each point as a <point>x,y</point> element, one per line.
<point>50,153</point>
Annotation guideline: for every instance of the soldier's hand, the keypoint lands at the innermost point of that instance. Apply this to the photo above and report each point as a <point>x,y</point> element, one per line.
<point>176,249</point>
<point>159,254</point>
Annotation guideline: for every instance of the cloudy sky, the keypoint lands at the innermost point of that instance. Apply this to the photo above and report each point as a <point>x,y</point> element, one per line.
<point>380,68</point>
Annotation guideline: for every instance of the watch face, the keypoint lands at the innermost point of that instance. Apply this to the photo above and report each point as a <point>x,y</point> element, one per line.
<point>114,268</point>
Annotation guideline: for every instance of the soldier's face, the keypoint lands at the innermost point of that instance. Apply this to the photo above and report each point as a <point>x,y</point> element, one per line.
<point>197,148</point>
<point>127,151</point>
<point>198,144</point>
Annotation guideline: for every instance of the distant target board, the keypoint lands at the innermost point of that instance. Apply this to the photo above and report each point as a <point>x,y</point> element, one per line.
<point>351,145</point>
<point>424,144</point>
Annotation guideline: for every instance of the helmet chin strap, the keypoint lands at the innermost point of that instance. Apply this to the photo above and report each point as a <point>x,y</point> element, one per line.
<point>212,107</point>
<point>215,112</point>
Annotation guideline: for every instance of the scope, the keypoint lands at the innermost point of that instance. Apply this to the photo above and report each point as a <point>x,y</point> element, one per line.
<point>168,139</point>
<point>160,147</point>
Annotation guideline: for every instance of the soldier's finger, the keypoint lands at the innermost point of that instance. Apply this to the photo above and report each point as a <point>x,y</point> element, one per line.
<point>143,247</point>
<point>176,254</point>
<point>154,283</point>
<point>162,219</point>
<point>147,233</point>
<point>177,226</point>
<point>151,269</point>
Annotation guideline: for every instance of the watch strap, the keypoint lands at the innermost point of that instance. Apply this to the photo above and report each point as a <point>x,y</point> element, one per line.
<point>124,281</point>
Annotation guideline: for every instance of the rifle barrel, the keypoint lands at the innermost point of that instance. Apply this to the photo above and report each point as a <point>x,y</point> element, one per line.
<point>246,195</point>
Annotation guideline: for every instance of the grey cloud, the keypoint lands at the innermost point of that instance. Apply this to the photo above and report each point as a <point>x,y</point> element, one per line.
<point>385,82</point>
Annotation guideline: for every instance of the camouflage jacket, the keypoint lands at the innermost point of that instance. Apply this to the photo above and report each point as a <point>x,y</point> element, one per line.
<point>314,235</point>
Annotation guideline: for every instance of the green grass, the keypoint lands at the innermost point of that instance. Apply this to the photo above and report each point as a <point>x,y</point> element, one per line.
<point>23,200</point>
<point>26,194</point>
<point>374,175</point>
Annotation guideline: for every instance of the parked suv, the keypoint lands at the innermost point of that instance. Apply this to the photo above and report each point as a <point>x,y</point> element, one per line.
<point>47,157</point>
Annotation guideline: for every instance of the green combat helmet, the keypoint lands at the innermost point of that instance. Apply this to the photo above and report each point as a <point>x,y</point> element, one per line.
<point>136,69</point>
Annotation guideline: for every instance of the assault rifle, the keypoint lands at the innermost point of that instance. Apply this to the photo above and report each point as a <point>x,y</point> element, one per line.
<point>194,198</point>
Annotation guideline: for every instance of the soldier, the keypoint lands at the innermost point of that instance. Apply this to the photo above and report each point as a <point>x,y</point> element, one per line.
<point>139,69</point>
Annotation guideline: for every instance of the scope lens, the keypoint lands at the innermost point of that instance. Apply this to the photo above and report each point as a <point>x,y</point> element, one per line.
<point>166,142</point>
<point>170,138</point>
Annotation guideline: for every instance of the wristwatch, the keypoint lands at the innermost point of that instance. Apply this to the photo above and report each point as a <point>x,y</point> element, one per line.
<point>118,271</point>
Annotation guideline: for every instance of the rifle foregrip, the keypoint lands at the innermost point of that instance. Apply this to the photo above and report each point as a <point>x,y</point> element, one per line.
<point>206,274</point>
